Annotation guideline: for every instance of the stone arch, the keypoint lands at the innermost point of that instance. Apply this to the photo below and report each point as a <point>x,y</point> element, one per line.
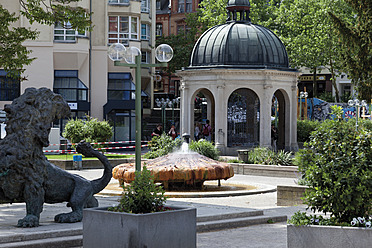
<point>283,122</point>
<point>210,109</point>
<point>243,118</point>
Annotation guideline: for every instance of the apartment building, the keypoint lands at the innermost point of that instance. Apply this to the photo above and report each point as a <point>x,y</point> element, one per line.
<point>76,65</point>
<point>170,19</point>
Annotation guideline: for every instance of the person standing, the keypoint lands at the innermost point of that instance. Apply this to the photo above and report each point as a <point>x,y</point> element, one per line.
<point>172,132</point>
<point>207,131</point>
<point>197,131</point>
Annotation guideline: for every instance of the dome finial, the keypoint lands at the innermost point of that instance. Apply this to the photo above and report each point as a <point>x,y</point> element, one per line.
<point>238,6</point>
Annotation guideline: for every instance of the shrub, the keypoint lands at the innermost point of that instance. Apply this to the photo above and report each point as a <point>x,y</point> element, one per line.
<point>161,146</point>
<point>263,155</point>
<point>327,97</point>
<point>142,195</point>
<point>304,129</point>
<point>90,130</point>
<point>337,168</point>
<point>205,148</point>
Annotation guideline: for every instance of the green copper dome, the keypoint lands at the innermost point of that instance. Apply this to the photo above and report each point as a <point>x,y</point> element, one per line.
<point>239,43</point>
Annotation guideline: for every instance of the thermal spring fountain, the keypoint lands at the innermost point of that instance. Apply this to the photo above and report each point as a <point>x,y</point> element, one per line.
<point>179,170</point>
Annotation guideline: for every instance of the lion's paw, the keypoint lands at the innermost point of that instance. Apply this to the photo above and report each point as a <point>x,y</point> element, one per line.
<point>68,217</point>
<point>28,221</point>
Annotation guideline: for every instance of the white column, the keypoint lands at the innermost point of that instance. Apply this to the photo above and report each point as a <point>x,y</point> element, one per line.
<point>293,119</point>
<point>185,109</point>
<point>265,117</point>
<point>220,119</point>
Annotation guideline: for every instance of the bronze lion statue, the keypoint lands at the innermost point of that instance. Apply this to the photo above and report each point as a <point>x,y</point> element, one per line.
<point>25,173</point>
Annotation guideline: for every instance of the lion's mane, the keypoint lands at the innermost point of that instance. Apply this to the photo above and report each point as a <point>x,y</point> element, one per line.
<point>29,120</point>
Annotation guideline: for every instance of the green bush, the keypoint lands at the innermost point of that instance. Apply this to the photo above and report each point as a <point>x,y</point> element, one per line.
<point>142,195</point>
<point>161,146</point>
<point>90,130</point>
<point>337,167</point>
<point>304,129</point>
<point>327,97</point>
<point>205,148</point>
<point>264,155</point>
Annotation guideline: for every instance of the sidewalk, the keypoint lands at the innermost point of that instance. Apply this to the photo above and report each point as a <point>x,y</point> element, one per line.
<point>264,235</point>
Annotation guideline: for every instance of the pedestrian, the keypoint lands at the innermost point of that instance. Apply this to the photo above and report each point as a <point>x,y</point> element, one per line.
<point>274,137</point>
<point>172,132</point>
<point>207,131</point>
<point>157,131</point>
<point>197,131</point>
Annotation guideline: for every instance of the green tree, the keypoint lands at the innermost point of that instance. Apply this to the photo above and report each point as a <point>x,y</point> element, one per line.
<point>356,36</point>
<point>305,28</point>
<point>90,130</point>
<point>213,12</point>
<point>13,55</point>
<point>182,43</point>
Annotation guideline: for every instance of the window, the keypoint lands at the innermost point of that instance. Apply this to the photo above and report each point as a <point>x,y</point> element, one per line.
<point>188,5</point>
<point>159,29</point>
<point>182,29</point>
<point>120,87</point>
<point>118,1</point>
<point>122,29</point>
<point>158,4</point>
<point>9,87</point>
<point>181,6</point>
<point>145,32</point>
<point>145,7</point>
<point>64,32</point>
<point>70,86</point>
<point>145,57</point>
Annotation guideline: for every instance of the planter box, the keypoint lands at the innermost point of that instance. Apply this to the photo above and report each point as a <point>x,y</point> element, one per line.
<point>102,228</point>
<point>266,170</point>
<point>290,195</point>
<point>328,236</point>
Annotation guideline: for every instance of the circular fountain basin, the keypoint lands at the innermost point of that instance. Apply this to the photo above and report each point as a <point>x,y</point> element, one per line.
<point>178,170</point>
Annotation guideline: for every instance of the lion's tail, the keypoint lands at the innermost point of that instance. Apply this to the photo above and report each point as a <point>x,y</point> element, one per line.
<point>100,183</point>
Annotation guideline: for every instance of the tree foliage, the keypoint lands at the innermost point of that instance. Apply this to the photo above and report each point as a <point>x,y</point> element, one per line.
<point>13,55</point>
<point>356,36</point>
<point>182,43</point>
<point>337,168</point>
<point>90,130</point>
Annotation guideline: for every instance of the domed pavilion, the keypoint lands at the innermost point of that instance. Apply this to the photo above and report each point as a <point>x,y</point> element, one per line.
<point>242,71</point>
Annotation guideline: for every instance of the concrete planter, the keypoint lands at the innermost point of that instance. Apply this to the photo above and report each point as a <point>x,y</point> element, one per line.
<point>102,228</point>
<point>328,237</point>
<point>290,195</point>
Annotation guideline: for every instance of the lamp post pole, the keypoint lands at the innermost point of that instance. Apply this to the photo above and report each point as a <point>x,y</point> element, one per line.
<point>357,104</point>
<point>132,56</point>
<point>138,103</point>
<point>138,114</point>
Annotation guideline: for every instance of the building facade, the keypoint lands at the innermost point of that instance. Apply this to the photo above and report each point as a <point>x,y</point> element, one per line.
<point>76,65</point>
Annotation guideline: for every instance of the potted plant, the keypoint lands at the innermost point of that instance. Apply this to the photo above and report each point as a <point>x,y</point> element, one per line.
<point>337,168</point>
<point>140,220</point>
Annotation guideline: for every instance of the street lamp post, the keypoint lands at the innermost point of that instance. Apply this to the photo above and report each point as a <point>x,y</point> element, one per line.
<point>302,95</point>
<point>357,105</point>
<point>132,55</point>
<point>161,103</point>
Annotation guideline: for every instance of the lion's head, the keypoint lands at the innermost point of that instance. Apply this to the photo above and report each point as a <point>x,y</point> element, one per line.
<point>34,112</point>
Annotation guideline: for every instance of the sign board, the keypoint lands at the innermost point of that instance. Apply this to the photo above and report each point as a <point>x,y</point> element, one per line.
<point>73,105</point>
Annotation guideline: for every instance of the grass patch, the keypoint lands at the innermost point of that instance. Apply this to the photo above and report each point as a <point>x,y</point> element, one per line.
<point>70,156</point>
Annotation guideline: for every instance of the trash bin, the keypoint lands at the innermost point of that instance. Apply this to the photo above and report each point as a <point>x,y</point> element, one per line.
<point>77,161</point>
<point>243,155</point>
